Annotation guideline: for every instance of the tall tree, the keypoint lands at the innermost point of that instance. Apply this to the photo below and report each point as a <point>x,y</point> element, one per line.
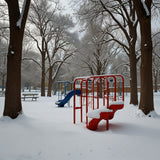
<point>39,19</point>
<point>49,33</point>
<point>156,59</point>
<point>3,63</point>
<point>128,26</point>
<point>17,19</point>
<point>143,9</point>
<point>123,17</point>
<point>96,54</point>
<point>58,52</point>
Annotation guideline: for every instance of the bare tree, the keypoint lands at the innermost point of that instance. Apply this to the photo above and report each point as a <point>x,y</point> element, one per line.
<point>96,54</point>
<point>156,58</point>
<point>31,68</point>
<point>156,4</point>
<point>39,19</point>
<point>143,10</point>
<point>60,50</point>
<point>3,43</point>
<point>49,33</point>
<point>3,64</point>
<point>120,65</point>
<point>13,106</point>
<point>122,14</point>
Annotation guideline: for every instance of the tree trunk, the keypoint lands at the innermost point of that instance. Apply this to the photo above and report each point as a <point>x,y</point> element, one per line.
<point>13,85</point>
<point>50,82</point>
<point>29,87</point>
<point>133,77</point>
<point>144,17</point>
<point>3,82</point>
<point>155,80</point>
<point>43,76</point>
<point>13,105</point>
<point>146,99</point>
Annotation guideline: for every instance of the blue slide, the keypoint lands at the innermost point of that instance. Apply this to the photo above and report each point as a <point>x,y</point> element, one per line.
<point>62,102</point>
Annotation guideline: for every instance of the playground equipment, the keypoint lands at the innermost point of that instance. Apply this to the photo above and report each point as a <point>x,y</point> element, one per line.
<point>62,102</point>
<point>96,97</point>
<point>64,90</point>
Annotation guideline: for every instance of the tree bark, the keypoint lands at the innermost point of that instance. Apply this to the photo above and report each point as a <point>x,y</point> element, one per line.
<point>133,77</point>
<point>155,80</point>
<point>50,82</point>
<point>13,106</point>
<point>43,76</point>
<point>146,98</point>
<point>133,59</point>
<point>3,82</point>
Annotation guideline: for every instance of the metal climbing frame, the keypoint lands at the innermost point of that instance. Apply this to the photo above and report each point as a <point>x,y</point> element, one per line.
<point>96,88</point>
<point>62,87</point>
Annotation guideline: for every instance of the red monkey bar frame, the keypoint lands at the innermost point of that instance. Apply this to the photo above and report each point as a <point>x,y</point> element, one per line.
<point>93,82</point>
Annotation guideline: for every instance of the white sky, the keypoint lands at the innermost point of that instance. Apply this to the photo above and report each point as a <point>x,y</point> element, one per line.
<point>67,6</point>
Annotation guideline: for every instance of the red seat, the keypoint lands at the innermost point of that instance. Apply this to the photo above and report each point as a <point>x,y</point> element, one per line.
<point>93,124</point>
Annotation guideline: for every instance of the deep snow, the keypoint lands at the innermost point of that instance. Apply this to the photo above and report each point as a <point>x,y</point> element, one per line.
<point>46,132</point>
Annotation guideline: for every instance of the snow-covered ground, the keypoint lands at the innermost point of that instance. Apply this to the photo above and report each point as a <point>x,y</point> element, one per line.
<point>46,132</point>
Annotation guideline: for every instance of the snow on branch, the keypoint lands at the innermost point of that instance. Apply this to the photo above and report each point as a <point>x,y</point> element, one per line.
<point>145,7</point>
<point>32,59</point>
<point>19,22</point>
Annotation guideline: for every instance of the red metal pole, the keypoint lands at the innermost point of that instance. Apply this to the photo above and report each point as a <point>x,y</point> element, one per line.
<point>81,100</point>
<point>74,103</point>
<point>115,88</point>
<point>103,91</point>
<point>98,93</point>
<point>93,93</point>
<point>86,101</point>
<point>107,92</point>
<point>122,87</point>
<point>107,124</point>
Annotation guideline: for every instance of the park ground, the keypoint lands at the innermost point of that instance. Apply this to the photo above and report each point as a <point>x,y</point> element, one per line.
<point>46,132</point>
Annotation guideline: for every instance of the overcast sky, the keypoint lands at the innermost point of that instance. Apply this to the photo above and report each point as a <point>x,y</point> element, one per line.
<point>67,6</point>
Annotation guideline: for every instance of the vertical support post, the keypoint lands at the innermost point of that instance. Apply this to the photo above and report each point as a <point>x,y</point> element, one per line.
<point>103,91</point>
<point>122,88</point>
<point>107,124</point>
<point>107,92</point>
<point>86,101</point>
<point>74,103</point>
<point>65,88</point>
<point>115,87</point>
<point>81,101</point>
<point>98,93</point>
<point>93,93</point>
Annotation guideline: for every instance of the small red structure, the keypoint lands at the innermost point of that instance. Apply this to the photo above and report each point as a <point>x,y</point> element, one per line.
<point>98,91</point>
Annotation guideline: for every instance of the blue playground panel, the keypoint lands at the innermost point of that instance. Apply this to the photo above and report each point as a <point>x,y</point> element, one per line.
<point>62,88</point>
<point>62,102</point>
